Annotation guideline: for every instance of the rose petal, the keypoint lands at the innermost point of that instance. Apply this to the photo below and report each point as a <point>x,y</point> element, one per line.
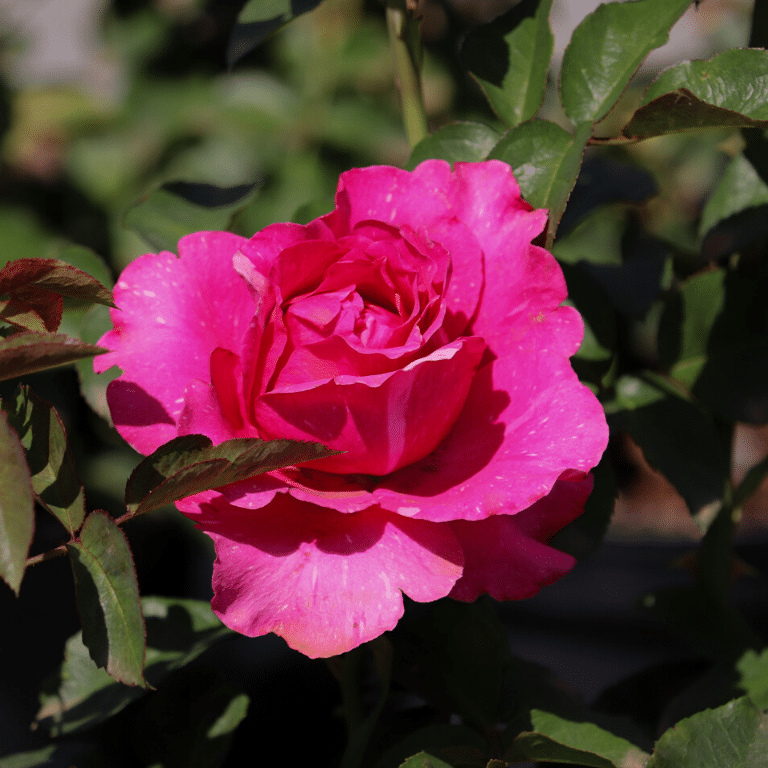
<point>384,421</point>
<point>324,581</point>
<point>501,561</point>
<point>526,420</point>
<point>173,314</point>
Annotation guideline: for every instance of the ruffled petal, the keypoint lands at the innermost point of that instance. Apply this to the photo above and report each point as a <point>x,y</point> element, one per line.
<point>169,322</point>
<point>324,581</point>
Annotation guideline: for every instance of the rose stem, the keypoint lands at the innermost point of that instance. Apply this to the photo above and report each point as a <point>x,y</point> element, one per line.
<point>405,38</point>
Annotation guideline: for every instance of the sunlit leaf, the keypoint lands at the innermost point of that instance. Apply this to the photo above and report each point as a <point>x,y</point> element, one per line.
<point>178,631</point>
<point>557,739</point>
<point>191,464</point>
<point>732,736</point>
<point>260,18</point>
<point>108,599</point>
<point>180,208</point>
<point>456,142</point>
<point>17,513</point>
<point>28,352</point>
<point>509,58</point>
<point>546,160</point>
<point>50,459</point>
<point>189,721</point>
<point>607,48</point>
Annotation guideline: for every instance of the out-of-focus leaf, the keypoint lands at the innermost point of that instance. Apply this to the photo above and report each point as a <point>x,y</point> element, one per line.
<point>178,631</point>
<point>108,599</point>
<point>191,464</point>
<point>596,238</point>
<point>740,188</point>
<point>180,208</point>
<point>190,721</point>
<point>687,323</point>
<point>729,90</point>
<point>54,756</point>
<point>425,760</point>
<point>260,18</point>
<point>546,160</point>
<point>50,459</point>
<point>509,58</point>
<point>28,352</point>
<point>17,512</point>
<point>607,48</point>
<point>455,744</point>
<point>753,677</point>
<point>556,739</point>
<point>89,262</point>
<point>677,438</point>
<point>93,386</point>
<point>732,736</point>
<point>457,142</point>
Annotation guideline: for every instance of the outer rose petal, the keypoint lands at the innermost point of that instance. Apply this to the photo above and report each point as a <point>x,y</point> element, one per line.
<point>526,420</point>
<point>173,314</point>
<point>324,581</point>
<point>503,562</point>
<point>506,555</point>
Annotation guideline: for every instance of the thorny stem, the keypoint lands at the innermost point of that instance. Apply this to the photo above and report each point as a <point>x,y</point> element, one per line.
<point>405,39</point>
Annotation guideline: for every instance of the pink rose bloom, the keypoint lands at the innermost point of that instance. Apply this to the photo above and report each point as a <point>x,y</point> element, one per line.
<point>415,328</point>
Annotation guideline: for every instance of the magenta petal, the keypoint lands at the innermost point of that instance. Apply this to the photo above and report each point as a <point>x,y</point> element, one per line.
<point>325,581</point>
<point>527,420</point>
<point>383,421</point>
<point>169,322</point>
<point>501,561</point>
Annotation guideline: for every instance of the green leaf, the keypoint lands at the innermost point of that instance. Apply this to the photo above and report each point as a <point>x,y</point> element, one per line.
<point>546,160</point>
<point>28,352</point>
<point>425,760</point>
<point>178,631</point>
<point>89,262</point>
<point>17,509</point>
<point>753,677</point>
<point>687,324</point>
<point>510,57</point>
<point>556,739</point>
<point>93,386</point>
<point>190,721</point>
<point>108,599</point>
<point>50,459</point>
<point>260,18</point>
<point>180,208</point>
<point>457,142</point>
<point>740,188</point>
<point>732,736</point>
<point>190,464</point>
<point>53,755</point>
<point>607,48</point>
<point>677,439</point>
<point>456,744</point>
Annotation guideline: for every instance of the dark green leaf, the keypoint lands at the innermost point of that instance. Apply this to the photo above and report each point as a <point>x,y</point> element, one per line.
<point>50,459</point>
<point>456,744</point>
<point>178,631</point>
<point>753,677</point>
<point>190,721</point>
<point>557,739</point>
<point>732,736</point>
<point>108,599</point>
<point>425,760</point>
<point>677,438</point>
<point>17,512</point>
<point>28,352</point>
<point>607,48</point>
<point>546,160</point>
<point>54,755</point>
<point>191,464</point>
<point>596,238</point>
<point>93,386</point>
<point>457,142</point>
<point>739,189</point>
<point>180,208</point>
<point>260,18</point>
<point>509,58</point>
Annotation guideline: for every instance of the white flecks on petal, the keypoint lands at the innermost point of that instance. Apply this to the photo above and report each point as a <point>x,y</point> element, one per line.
<point>408,511</point>
<point>161,320</point>
<point>151,294</point>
